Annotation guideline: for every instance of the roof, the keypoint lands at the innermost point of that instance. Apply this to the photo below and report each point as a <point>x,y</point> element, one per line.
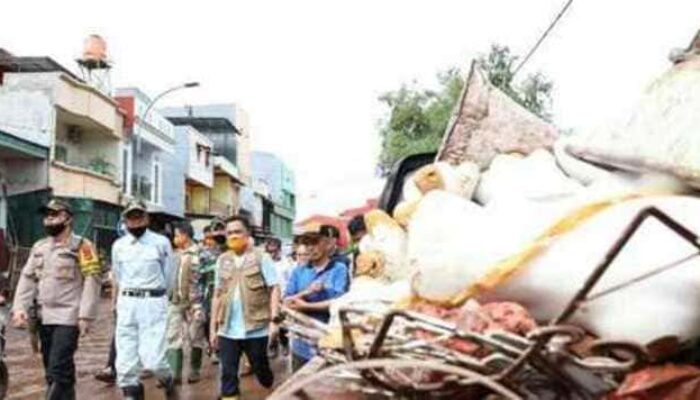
<point>206,124</point>
<point>350,213</point>
<point>208,118</point>
<point>16,64</point>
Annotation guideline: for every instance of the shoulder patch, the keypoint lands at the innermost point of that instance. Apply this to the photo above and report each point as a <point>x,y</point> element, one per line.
<point>88,260</point>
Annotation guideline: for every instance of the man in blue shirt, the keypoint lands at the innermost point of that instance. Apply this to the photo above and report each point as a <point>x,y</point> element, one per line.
<point>311,288</point>
<point>246,308</point>
<point>330,237</point>
<point>144,269</point>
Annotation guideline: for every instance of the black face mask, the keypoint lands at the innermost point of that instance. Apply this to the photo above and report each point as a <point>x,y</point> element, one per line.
<point>138,231</point>
<point>54,230</point>
<point>220,239</point>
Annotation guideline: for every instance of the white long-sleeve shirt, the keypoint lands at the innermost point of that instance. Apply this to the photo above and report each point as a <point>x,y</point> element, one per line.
<point>143,263</point>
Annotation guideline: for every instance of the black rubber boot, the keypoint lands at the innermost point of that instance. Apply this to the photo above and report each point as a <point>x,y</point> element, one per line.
<point>57,391</point>
<point>133,392</point>
<point>169,388</point>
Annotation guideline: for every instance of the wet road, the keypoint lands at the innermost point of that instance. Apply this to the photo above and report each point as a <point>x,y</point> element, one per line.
<point>27,377</point>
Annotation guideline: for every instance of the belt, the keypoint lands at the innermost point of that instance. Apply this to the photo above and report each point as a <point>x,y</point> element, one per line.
<point>144,292</point>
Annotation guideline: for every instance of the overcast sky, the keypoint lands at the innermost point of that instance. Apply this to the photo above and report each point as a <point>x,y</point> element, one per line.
<point>309,72</point>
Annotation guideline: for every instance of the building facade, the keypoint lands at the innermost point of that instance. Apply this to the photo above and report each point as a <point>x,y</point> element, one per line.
<point>147,153</point>
<point>270,170</point>
<point>69,135</point>
<point>229,152</point>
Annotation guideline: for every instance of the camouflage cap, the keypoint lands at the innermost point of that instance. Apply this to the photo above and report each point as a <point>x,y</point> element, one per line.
<point>56,205</point>
<point>135,205</point>
<point>217,224</point>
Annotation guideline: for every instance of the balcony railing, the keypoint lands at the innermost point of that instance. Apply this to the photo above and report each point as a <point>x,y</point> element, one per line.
<point>72,181</point>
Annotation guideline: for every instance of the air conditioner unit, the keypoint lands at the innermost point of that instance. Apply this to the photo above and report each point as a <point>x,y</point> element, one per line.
<point>74,134</point>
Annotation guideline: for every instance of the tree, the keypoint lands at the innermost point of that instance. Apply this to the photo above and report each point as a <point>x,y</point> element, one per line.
<point>534,93</point>
<point>417,118</point>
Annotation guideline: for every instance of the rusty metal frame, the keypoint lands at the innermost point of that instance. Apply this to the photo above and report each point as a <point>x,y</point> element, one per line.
<point>511,356</point>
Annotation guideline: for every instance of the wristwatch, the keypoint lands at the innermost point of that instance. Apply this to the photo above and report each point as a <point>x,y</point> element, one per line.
<point>277,319</point>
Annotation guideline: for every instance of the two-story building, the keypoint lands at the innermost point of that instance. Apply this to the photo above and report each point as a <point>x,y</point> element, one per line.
<point>148,153</point>
<point>269,169</point>
<point>194,150</point>
<point>70,136</point>
<point>230,153</point>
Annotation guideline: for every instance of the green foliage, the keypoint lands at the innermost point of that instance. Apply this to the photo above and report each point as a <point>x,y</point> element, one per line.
<point>101,166</point>
<point>417,118</point>
<point>534,93</point>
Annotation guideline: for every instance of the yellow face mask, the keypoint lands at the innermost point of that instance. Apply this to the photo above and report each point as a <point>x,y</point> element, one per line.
<point>237,244</point>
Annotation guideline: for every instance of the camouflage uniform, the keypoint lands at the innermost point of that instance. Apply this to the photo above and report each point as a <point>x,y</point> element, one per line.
<point>207,262</point>
<point>186,314</point>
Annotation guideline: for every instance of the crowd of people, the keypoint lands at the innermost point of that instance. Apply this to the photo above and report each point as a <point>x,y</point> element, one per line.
<point>219,297</point>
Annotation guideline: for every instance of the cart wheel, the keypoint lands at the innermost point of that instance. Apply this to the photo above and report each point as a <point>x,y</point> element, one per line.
<point>456,383</point>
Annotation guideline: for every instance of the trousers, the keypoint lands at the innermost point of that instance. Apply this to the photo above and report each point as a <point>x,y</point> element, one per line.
<point>230,351</point>
<point>58,346</point>
<point>141,338</point>
<point>186,324</point>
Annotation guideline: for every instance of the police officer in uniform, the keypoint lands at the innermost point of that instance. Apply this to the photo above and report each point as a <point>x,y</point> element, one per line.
<point>143,267</point>
<point>62,275</point>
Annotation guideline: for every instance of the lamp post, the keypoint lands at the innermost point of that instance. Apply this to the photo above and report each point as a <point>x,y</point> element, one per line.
<point>142,120</point>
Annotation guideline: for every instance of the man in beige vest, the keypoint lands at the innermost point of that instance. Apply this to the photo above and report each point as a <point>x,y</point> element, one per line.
<point>62,276</point>
<point>246,305</point>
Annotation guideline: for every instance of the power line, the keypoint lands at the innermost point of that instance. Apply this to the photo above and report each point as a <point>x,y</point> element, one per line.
<point>544,35</point>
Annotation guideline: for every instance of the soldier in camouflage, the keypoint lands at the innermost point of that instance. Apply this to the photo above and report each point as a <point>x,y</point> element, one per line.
<point>186,316</point>
<point>62,275</point>
<point>214,245</point>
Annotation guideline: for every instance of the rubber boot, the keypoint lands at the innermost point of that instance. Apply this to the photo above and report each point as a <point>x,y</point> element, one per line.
<point>57,391</point>
<point>175,357</point>
<point>133,392</point>
<point>170,389</point>
<point>195,365</point>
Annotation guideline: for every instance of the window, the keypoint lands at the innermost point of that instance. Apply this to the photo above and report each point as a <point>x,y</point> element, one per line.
<point>61,153</point>
<point>207,154</point>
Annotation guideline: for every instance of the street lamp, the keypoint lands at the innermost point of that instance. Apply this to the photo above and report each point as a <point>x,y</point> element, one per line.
<point>142,120</point>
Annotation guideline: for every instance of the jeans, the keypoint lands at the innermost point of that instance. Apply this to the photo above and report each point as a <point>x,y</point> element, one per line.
<point>58,346</point>
<point>230,351</point>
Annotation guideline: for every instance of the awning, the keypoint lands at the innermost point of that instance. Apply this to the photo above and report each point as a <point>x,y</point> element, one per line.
<point>11,145</point>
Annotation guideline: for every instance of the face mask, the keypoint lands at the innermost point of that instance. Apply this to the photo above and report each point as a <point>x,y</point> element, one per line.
<point>220,239</point>
<point>138,231</point>
<point>54,230</point>
<point>238,244</point>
